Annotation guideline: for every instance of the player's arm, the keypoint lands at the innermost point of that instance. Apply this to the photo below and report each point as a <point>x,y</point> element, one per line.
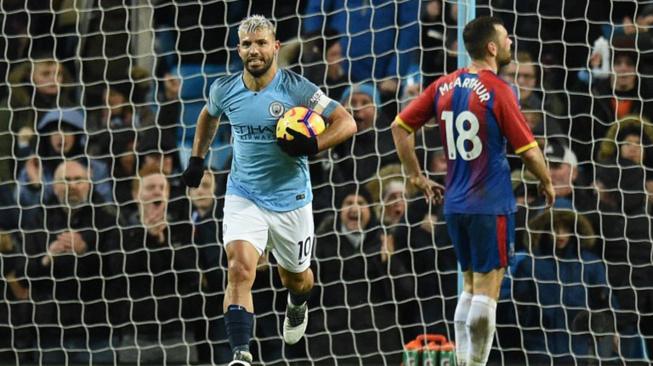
<point>414,116</point>
<point>204,133</point>
<point>514,127</point>
<point>341,124</point>
<point>534,161</point>
<point>341,127</point>
<point>207,124</point>
<point>405,143</point>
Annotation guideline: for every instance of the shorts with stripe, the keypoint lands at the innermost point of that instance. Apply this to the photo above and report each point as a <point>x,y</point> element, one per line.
<point>482,242</point>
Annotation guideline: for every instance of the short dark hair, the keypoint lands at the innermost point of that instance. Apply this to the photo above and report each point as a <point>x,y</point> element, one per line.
<point>478,33</point>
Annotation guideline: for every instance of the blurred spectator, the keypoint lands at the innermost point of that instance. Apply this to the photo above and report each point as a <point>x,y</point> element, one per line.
<point>195,57</point>
<point>566,278</point>
<point>36,88</point>
<point>123,111</point>
<point>628,150</point>
<point>32,28</point>
<point>545,128</point>
<point>609,100</point>
<point>15,40</point>
<point>529,203</point>
<point>358,290</point>
<point>372,147</point>
<point>154,150</point>
<point>411,86</point>
<point>321,61</point>
<point>326,176</point>
<point>546,29</point>
<point>437,165</point>
<point>389,192</point>
<point>14,310</point>
<point>60,137</point>
<point>625,158</point>
<point>113,128</point>
<point>161,280</point>
<point>643,20</point>
<point>68,242</point>
<point>393,202</point>
<point>106,55</point>
<point>524,73</point>
<point>9,209</point>
<point>203,201</point>
<point>181,39</point>
<point>563,168</point>
<point>437,26</point>
<point>624,226</point>
<point>377,49</point>
<point>213,264</point>
<point>542,110</point>
<point>169,112</point>
<point>641,30</point>
<point>625,232</point>
<point>420,243</point>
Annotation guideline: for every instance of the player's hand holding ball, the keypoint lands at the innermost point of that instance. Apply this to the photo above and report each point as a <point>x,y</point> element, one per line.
<point>194,172</point>
<point>297,131</point>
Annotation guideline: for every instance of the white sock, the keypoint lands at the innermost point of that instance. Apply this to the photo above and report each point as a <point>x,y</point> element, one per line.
<point>460,326</point>
<point>481,323</point>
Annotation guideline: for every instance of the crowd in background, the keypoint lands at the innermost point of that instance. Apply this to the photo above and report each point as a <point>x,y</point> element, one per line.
<point>106,257</point>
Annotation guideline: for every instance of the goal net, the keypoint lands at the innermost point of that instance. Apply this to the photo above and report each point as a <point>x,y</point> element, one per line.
<point>103,264</point>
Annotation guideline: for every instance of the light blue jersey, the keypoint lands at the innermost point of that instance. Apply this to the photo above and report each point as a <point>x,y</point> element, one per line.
<point>260,170</point>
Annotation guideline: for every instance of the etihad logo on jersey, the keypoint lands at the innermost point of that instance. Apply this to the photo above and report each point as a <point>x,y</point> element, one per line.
<point>474,84</point>
<point>254,133</point>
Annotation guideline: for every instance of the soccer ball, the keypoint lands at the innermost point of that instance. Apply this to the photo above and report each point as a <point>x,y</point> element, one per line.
<point>300,119</point>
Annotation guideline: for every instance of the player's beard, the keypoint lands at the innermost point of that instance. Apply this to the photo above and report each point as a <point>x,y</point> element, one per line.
<point>503,57</point>
<point>267,63</point>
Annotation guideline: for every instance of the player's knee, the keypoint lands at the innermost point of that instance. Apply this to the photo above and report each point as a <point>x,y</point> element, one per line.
<point>241,273</point>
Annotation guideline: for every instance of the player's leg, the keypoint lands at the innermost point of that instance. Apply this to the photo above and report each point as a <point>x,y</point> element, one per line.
<point>457,226</point>
<point>299,287</point>
<point>481,321</point>
<point>460,318</point>
<point>242,258</point>
<point>493,241</point>
<point>245,232</point>
<point>292,239</point>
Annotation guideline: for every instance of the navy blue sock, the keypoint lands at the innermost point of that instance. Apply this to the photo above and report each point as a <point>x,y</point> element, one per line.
<point>239,323</point>
<point>298,299</point>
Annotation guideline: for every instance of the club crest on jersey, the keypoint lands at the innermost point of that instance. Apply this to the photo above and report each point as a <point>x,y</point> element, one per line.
<point>276,109</point>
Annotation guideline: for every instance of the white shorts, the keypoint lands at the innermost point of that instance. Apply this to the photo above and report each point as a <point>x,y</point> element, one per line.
<point>290,235</point>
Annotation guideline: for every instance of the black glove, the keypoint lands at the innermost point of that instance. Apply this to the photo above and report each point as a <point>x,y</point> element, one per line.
<point>300,145</point>
<point>194,172</point>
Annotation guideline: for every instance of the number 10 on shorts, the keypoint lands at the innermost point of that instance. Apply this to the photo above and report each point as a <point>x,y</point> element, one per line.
<point>305,249</point>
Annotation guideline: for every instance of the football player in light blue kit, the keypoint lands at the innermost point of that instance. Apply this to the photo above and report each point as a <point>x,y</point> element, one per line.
<point>268,199</point>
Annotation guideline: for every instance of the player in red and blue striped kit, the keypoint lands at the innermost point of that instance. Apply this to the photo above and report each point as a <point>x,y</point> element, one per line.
<point>478,115</point>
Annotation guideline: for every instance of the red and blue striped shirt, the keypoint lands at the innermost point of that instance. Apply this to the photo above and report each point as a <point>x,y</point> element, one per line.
<point>477,114</point>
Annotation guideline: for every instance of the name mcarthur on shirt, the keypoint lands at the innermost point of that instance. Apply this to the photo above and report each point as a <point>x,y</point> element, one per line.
<point>469,83</point>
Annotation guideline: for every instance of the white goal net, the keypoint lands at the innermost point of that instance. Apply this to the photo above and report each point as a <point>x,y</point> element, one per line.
<point>102,267</point>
